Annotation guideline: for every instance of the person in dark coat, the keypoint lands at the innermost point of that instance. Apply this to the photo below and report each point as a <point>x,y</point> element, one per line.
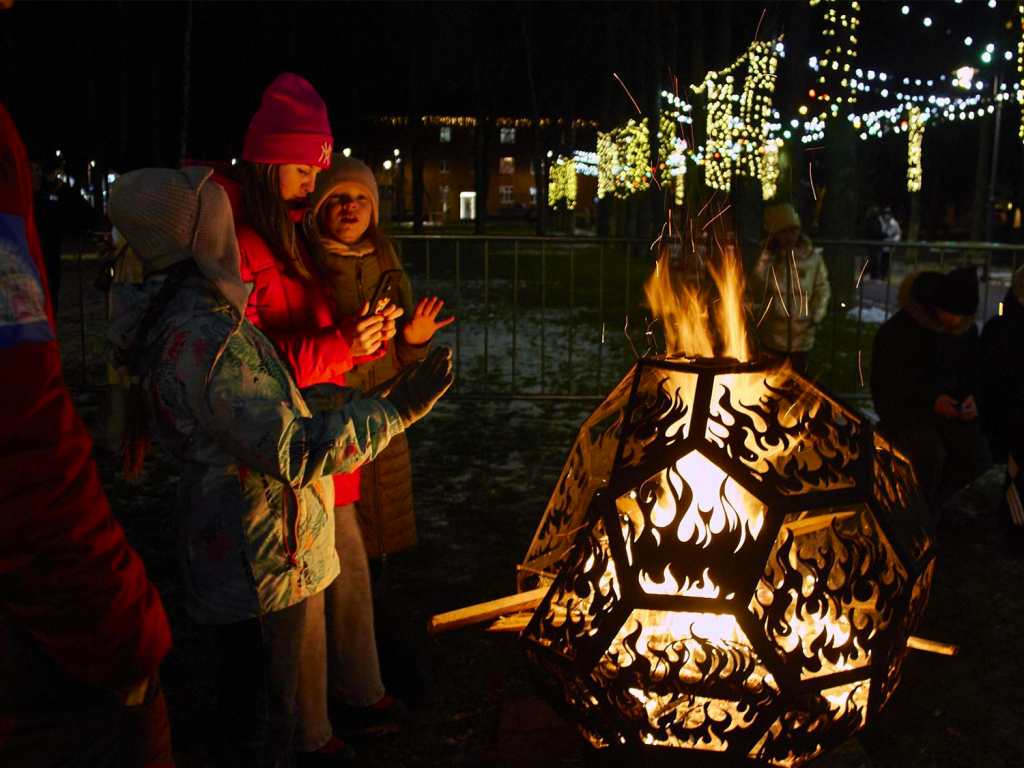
<point>925,375</point>
<point>1002,401</point>
<point>60,212</point>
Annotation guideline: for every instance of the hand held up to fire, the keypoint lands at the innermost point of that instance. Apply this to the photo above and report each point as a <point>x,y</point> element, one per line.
<point>424,323</point>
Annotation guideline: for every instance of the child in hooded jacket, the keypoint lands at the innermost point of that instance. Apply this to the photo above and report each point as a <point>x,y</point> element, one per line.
<point>789,288</point>
<point>256,536</point>
<point>356,253</point>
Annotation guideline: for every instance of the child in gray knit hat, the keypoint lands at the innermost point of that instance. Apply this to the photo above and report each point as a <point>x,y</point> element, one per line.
<point>256,520</point>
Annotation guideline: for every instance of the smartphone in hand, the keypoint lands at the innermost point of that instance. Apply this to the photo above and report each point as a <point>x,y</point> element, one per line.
<point>386,290</point>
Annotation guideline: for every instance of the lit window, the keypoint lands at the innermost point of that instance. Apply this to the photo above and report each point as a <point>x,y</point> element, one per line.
<point>507,194</point>
<point>446,134</point>
<point>507,165</point>
<point>508,135</point>
<point>442,166</point>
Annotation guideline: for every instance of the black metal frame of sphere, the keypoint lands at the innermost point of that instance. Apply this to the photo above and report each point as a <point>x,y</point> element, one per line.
<point>872,562</point>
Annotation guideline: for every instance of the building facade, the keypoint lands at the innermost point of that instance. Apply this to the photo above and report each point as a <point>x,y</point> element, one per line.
<point>449,159</point>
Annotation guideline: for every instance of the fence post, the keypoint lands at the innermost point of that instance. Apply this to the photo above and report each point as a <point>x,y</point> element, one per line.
<point>600,309</point>
<point>572,323</point>
<point>515,304</point>
<point>458,314</point>
<point>487,315</point>
<point>427,259</point>
<point>543,306</point>
<point>81,311</point>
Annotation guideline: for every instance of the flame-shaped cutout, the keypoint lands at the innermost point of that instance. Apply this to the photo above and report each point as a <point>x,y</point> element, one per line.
<point>690,507</point>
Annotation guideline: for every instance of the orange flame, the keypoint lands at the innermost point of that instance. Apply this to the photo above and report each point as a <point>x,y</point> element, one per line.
<point>682,307</point>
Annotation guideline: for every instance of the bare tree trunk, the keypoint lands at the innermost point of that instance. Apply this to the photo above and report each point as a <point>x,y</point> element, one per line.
<point>481,169</point>
<point>482,133</point>
<point>186,83</point>
<point>122,97</point>
<point>539,176</point>
<point>607,224</point>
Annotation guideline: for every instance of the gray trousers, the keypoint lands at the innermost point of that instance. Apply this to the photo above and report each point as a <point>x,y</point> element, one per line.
<point>339,648</point>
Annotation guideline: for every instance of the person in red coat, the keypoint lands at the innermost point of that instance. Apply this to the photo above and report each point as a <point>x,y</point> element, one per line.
<point>82,629</point>
<point>288,143</point>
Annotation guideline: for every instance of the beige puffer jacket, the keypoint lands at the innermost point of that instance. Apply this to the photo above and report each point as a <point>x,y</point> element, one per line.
<point>798,299</point>
<point>385,506</point>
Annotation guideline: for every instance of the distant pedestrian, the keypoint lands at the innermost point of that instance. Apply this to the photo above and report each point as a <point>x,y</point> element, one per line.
<point>881,225</point>
<point>925,378</point>
<point>60,213</point>
<point>789,288</point>
<point>1002,402</point>
<point>356,255</point>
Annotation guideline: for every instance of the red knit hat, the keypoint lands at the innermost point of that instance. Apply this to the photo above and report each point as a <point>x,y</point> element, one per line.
<point>290,126</point>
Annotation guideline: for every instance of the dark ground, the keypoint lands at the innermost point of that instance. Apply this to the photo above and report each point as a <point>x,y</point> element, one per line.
<point>483,473</point>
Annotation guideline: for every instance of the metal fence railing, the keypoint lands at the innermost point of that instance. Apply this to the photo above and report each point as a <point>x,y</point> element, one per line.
<point>564,318</point>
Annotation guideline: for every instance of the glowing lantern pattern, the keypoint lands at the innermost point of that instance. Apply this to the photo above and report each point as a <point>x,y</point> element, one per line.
<point>736,562</point>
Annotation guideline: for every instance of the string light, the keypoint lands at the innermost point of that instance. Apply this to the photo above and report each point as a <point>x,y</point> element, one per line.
<point>1019,85</point>
<point>737,143</point>
<point>586,162</point>
<point>840,38</point>
<point>562,183</point>
<point>670,135</point>
<point>915,123</point>
<point>607,158</point>
<point>624,160</point>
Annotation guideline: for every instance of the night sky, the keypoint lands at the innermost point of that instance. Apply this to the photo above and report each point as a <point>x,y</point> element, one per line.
<point>103,80</point>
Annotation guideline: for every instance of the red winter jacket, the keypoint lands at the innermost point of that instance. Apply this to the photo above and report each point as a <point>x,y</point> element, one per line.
<point>296,314</point>
<point>70,586</point>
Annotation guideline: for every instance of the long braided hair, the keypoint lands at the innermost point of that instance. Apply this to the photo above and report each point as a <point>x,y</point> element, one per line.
<point>138,435</point>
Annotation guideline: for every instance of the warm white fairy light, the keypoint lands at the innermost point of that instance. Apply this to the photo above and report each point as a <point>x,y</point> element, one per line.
<point>1020,68</point>
<point>675,148</point>
<point>608,158</point>
<point>769,174</point>
<point>840,38</point>
<point>915,124</point>
<point>562,183</point>
<point>624,160</point>
<point>736,143</point>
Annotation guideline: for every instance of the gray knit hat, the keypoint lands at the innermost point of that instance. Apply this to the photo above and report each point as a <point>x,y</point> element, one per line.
<point>345,170</point>
<point>169,215</point>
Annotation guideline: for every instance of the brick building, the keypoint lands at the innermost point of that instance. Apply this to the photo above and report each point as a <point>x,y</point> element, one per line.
<point>449,157</point>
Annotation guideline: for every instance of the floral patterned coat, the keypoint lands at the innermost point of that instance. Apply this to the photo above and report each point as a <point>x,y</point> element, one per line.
<point>257,508</point>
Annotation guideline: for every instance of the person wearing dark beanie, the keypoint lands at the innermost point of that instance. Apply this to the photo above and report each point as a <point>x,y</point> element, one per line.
<point>925,377</point>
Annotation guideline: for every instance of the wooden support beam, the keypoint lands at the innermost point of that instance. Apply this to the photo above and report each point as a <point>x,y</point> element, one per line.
<point>932,646</point>
<point>515,623</point>
<point>474,614</point>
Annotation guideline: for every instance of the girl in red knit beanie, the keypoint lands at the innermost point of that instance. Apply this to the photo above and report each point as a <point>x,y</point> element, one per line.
<point>288,143</point>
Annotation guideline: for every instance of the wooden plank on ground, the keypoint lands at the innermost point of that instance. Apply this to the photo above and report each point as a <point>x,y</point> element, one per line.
<point>474,614</point>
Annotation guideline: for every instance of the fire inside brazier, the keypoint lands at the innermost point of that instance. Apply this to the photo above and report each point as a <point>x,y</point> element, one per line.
<point>736,560</point>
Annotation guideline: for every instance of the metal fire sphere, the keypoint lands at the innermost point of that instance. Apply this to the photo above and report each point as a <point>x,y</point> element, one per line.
<point>737,563</point>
